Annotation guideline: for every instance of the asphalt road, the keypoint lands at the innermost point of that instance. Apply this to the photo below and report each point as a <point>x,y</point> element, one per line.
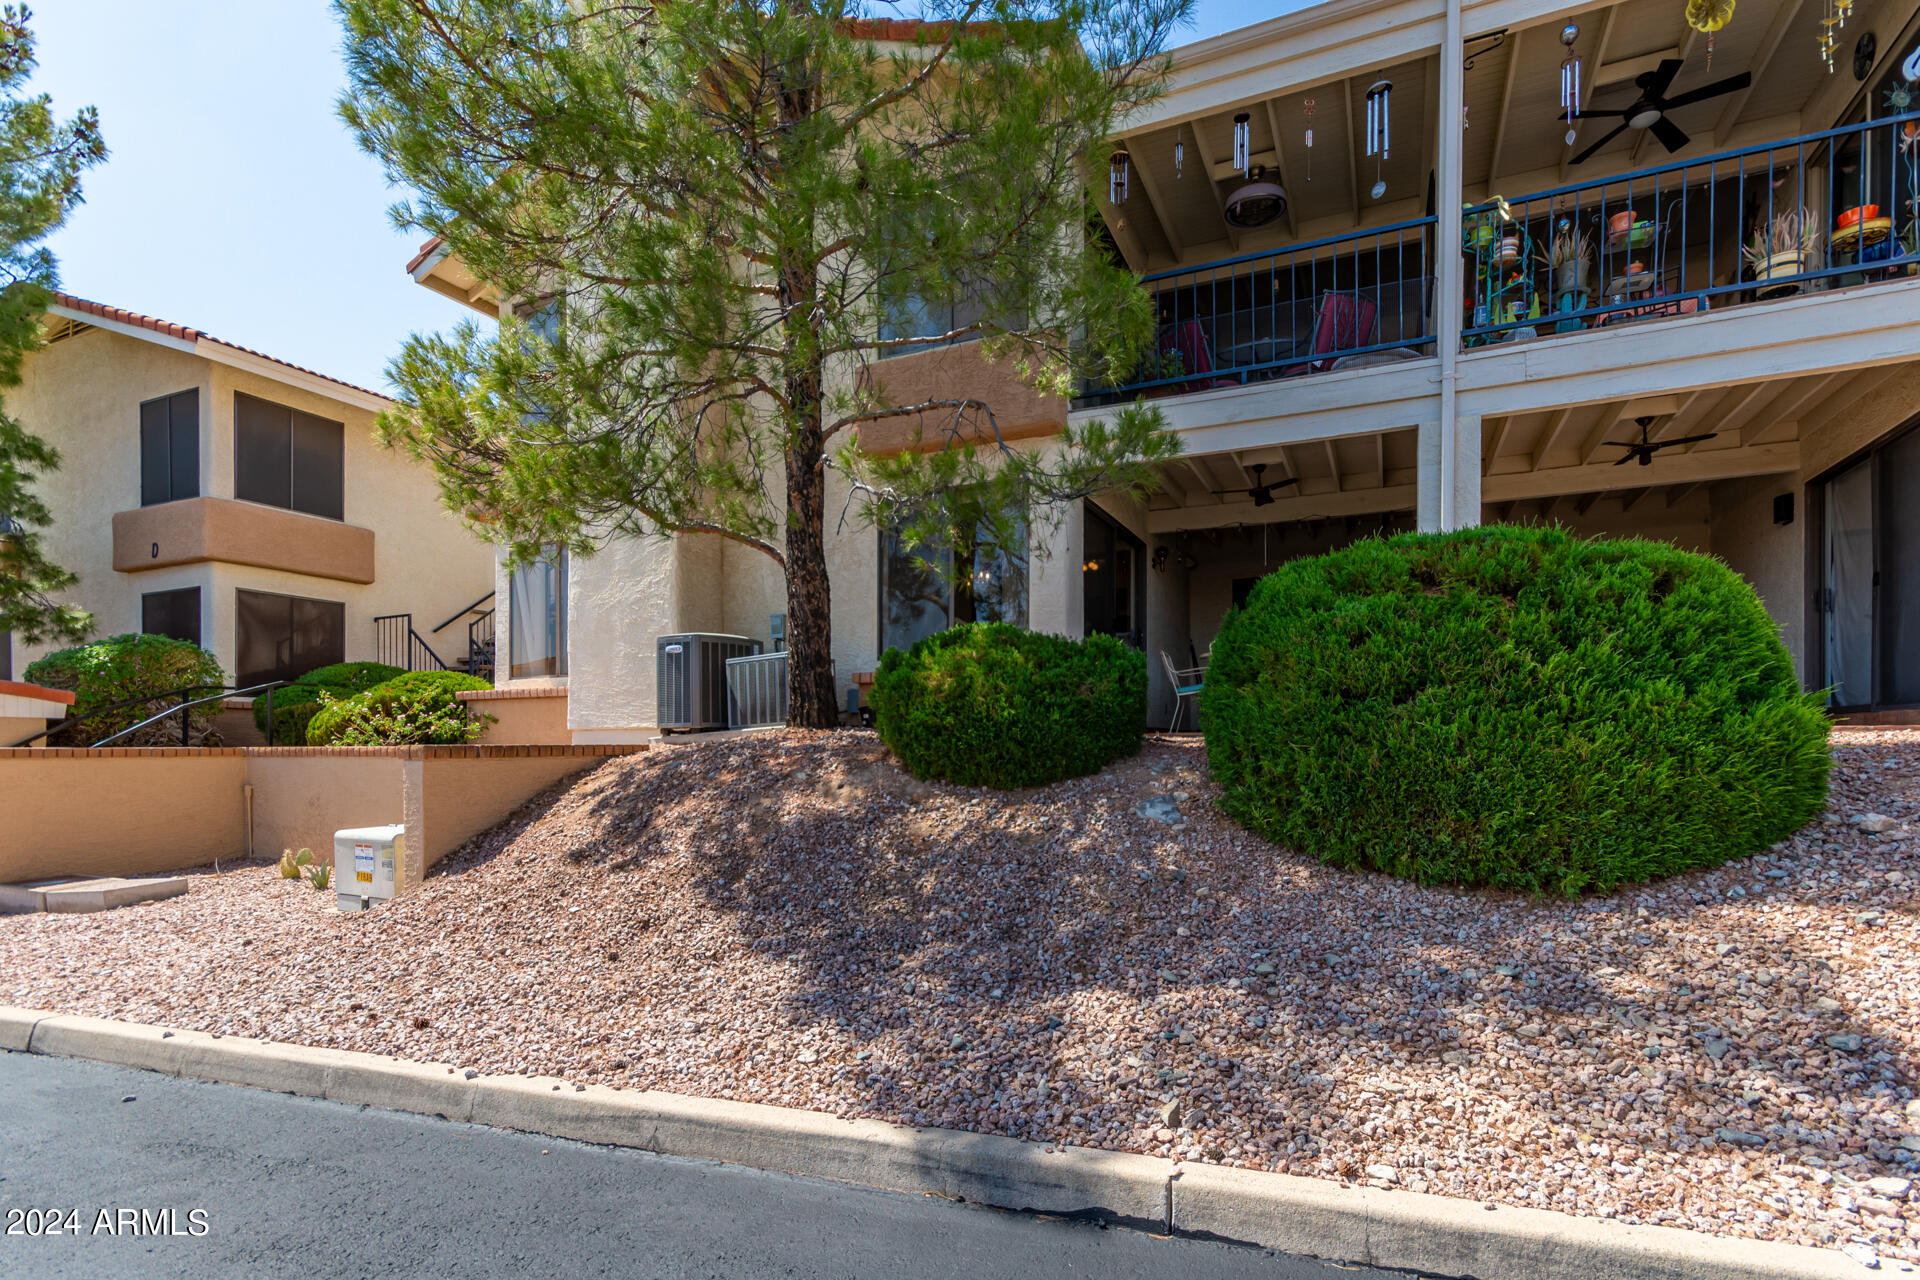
<point>296,1187</point>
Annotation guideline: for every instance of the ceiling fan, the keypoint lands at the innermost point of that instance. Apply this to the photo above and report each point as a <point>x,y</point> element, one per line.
<point>1650,109</point>
<point>1262,490</point>
<point>1644,449</point>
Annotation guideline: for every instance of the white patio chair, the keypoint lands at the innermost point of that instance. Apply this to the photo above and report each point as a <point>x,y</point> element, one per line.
<point>1186,684</point>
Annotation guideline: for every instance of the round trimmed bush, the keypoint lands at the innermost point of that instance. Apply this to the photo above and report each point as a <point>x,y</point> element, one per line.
<point>123,667</point>
<point>1515,708</point>
<point>413,707</point>
<point>295,704</point>
<point>988,704</point>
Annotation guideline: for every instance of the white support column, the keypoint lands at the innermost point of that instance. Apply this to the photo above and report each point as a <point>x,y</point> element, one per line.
<point>1442,452</point>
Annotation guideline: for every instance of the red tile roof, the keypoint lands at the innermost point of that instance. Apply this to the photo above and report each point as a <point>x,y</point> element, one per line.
<point>413,263</point>
<point>187,333</point>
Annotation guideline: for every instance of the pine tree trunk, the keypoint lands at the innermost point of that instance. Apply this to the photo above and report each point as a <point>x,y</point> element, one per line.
<point>812,702</point>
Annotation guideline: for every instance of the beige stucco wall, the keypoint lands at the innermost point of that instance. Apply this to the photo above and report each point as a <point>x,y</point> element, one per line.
<point>1770,557</point>
<point>461,798</point>
<point>84,393</point>
<point>299,801</point>
<point>224,531</point>
<point>80,815</point>
<point>619,602</point>
<point>522,720</point>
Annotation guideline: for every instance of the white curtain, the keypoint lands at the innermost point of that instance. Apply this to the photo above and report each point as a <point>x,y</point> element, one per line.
<point>536,617</point>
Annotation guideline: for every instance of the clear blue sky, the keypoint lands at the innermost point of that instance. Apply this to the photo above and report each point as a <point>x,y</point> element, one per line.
<point>234,200</point>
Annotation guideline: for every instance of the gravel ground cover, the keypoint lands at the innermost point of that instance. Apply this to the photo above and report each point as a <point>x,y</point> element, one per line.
<point>1111,962</point>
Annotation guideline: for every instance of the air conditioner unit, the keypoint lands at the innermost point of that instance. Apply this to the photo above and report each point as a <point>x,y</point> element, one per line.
<point>757,691</point>
<point>691,680</point>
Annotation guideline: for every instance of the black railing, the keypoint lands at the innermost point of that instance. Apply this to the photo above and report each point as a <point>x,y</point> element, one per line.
<point>480,646</point>
<point>472,608</point>
<point>1685,237</point>
<point>397,644</point>
<point>221,693</point>
<point>1303,309</point>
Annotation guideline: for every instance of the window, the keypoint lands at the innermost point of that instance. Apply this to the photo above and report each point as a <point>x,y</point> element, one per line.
<point>172,613</point>
<point>280,637</point>
<point>170,448</point>
<point>6,655</point>
<point>537,617</point>
<point>286,458</point>
<point>1114,578</point>
<point>921,594</point>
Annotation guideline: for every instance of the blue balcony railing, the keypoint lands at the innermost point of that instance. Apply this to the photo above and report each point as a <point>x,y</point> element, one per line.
<point>1362,297</point>
<point>1822,211</point>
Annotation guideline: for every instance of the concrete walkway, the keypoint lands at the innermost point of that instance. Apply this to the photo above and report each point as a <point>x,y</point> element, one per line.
<point>303,1188</point>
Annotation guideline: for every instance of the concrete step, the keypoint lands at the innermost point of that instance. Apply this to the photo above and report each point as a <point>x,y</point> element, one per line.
<point>77,894</point>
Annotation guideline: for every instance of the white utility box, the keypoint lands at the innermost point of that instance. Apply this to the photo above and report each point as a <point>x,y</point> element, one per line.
<point>364,860</point>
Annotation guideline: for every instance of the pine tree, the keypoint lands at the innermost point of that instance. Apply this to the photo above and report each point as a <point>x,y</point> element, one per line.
<point>41,160</point>
<point>714,218</point>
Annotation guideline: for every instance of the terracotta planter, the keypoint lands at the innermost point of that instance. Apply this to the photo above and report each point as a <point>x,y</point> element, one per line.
<point>1620,223</point>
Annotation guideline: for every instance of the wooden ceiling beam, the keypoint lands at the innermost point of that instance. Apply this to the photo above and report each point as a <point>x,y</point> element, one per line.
<point>1788,408</point>
<point>1155,201</point>
<point>1280,166</point>
<point>1354,143</point>
<point>1763,57</point>
<point>1630,498</point>
<point>1213,188</point>
<point>1677,493</point>
<point>1333,464</point>
<point>1549,436</point>
<point>1861,383</point>
<point>1506,103</point>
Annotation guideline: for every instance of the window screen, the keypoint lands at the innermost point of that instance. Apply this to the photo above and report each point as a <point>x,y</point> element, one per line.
<point>170,448</point>
<point>286,458</point>
<point>280,637</point>
<point>172,613</point>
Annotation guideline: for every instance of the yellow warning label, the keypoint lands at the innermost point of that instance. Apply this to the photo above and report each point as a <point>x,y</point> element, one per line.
<point>365,877</point>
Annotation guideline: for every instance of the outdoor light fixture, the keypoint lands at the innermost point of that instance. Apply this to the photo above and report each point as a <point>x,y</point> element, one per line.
<point>1118,167</point>
<point>1243,143</point>
<point>1256,203</point>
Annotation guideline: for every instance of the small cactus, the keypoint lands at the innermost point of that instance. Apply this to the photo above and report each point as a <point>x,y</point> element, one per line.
<point>320,876</point>
<point>291,862</point>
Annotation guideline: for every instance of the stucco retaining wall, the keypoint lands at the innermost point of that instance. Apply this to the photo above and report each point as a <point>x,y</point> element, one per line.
<point>131,811</point>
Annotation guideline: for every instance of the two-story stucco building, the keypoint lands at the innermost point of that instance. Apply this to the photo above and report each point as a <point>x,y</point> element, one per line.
<point>1400,288</point>
<point>221,496</point>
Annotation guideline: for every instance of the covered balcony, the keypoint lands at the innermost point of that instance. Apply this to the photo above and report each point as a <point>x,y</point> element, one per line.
<point>1299,232</point>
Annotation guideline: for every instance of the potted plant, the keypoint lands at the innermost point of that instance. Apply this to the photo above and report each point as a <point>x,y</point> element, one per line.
<point>1784,246</point>
<point>1567,258</point>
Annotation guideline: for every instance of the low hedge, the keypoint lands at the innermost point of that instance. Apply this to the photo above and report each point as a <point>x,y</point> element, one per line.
<point>413,707</point>
<point>129,666</point>
<point>988,704</point>
<point>294,705</point>
<point>1515,708</point>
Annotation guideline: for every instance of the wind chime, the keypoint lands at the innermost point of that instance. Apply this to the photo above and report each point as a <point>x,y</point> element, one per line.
<point>1709,16</point>
<point>1831,25</point>
<point>1570,79</point>
<point>1379,135</point>
<point>1119,165</point>
<point>1179,159</point>
<point>1309,118</point>
<point>1243,144</point>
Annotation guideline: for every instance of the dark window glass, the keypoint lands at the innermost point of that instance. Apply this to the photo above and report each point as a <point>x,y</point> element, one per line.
<point>6,655</point>
<point>170,448</point>
<point>172,613</point>
<point>280,637</point>
<point>285,458</point>
<point>1113,577</point>
<point>923,592</point>
<point>318,450</point>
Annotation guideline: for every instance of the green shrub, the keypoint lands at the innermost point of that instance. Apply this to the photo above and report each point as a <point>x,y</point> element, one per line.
<point>987,704</point>
<point>1510,707</point>
<point>129,666</point>
<point>413,707</point>
<point>294,705</point>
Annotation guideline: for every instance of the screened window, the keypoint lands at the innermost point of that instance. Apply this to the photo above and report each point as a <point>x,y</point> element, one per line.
<point>286,458</point>
<point>172,613</point>
<point>170,448</point>
<point>921,592</point>
<point>537,617</point>
<point>280,637</point>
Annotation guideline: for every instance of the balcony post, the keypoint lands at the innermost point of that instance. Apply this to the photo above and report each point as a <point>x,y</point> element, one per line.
<point>1449,470</point>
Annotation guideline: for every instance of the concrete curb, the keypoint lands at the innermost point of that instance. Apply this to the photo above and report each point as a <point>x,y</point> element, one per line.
<point>1397,1230</point>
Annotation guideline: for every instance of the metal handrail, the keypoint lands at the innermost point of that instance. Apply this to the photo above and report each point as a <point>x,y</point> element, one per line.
<point>1304,246</point>
<point>463,613</point>
<point>1710,159</point>
<point>225,691</point>
<point>186,720</point>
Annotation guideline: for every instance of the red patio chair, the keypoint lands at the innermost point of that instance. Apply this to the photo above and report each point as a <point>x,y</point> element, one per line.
<point>1341,322</point>
<point>1188,340</point>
